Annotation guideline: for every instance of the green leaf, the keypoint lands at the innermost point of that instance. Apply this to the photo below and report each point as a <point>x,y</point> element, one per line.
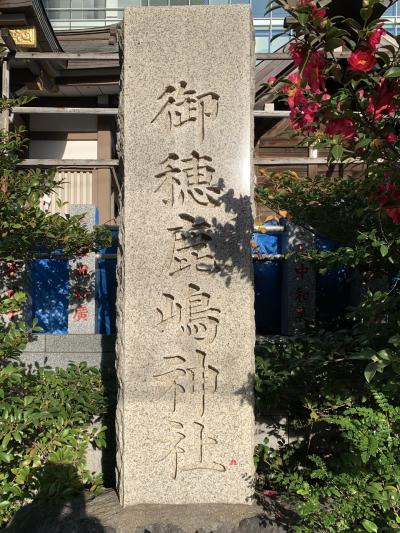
<point>369,526</point>
<point>366,13</point>
<point>6,440</point>
<point>302,18</point>
<point>393,72</point>
<point>333,43</point>
<point>370,371</point>
<point>337,152</point>
<point>384,250</point>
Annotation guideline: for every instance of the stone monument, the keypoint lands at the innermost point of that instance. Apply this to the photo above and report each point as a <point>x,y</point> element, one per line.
<point>185,348</point>
<point>299,281</point>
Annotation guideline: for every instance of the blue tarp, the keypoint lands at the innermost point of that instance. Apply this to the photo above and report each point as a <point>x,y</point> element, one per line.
<point>50,294</point>
<point>333,287</point>
<point>268,283</point>
<point>106,289</point>
<point>50,289</point>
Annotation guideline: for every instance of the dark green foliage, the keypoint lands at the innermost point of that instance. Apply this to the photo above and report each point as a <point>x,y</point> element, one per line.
<point>341,470</point>
<point>46,428</point>
<point>339,385</point>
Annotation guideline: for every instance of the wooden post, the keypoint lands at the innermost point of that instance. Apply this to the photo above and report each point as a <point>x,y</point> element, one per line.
<point>6,92</point>
<point>312,154</point>
<point>102,185</point>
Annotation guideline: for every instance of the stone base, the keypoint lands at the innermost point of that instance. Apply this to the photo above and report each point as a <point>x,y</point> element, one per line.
<point>103,514</point>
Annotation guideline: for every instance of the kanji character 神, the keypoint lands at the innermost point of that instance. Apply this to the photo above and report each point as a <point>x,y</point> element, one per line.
<point>189,374</point>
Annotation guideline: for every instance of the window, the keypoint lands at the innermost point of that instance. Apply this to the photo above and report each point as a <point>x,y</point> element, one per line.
<point>279,13</point>
<point>262,41</point>
<point>261,6</point>
<point>56,10</point>
<point>279,39</point>
<point>391,11</point>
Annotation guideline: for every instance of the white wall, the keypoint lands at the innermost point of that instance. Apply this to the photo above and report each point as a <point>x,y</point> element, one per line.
<point>63,149</point>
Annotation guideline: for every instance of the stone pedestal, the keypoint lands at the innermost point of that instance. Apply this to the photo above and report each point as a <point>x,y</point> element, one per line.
<point>185,344</point>
<point>82,316</point>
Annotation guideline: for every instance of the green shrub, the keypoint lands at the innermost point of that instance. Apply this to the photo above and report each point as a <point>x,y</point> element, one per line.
<point>339,383</point>
<point>45,416</point>
<point>342,472</point>
<point>46,429</point>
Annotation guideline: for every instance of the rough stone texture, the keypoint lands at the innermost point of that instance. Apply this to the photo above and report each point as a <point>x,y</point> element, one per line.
<point>57,351</point>
<point>185,366</point>
<point>82,316</point>
<point>62,360</point>
<point>299,282</point>
<point>80,343</point>
<point>84,514</point>
<point>103,514</point>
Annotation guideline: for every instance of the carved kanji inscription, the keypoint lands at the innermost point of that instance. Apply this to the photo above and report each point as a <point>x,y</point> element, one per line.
<point>193,316</point>
<point>189,448</point>
<point>182,105</point>
<point>191,245</point>
<point>189,374</point>
<point>190,178</point>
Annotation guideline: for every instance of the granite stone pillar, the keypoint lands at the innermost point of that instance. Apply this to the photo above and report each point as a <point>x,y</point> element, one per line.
<point>185,424</point>
<point>82,315</point>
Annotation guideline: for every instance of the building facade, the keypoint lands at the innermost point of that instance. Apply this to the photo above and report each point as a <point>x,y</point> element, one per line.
<point>78,14</point>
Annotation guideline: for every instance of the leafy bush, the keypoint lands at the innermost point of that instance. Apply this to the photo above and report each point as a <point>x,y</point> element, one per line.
<point>341,470</point>
<point>339,383</point>
<point>45,416</point>
<point>46,429</point>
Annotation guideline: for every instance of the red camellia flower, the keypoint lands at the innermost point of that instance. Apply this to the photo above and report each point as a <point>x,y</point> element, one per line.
<point>383,101</point>
<point>389,200</point>
<point>314,8</point>
<point>302,116</point>
<point>375,37</point>
<point>341,126</point>
<point>314,72</point>
<point>11,269</point>
<point>293,90</point>
<point>296,50</point>
<point>82,270</point>
<point>314,68</point>
<point>362,60</point>
<point>391,138</point>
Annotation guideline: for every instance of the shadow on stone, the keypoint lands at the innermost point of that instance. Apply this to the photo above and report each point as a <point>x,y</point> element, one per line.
<point>103,514</point>
<point>109,453</point>
<point>68,517</point>
<point>230,241</point>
